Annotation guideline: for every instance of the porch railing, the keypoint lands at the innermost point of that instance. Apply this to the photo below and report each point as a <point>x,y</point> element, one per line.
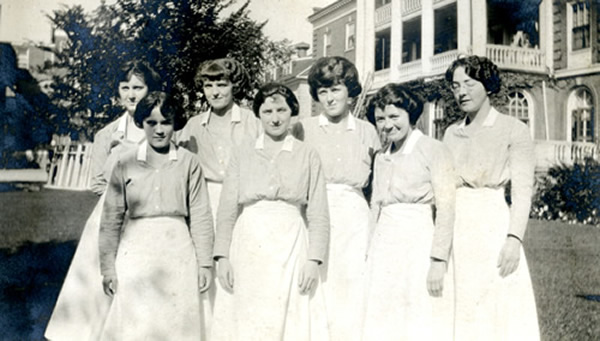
<point>516,57</point>
<point>70,166</point>
<point>551,153</point>
<point>410,6</point>
<point>383,15</point>
<point>410,70</point>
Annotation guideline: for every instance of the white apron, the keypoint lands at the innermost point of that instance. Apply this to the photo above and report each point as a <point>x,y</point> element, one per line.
<point>157,295</point>
<point>268,250</point>
<point>489,307</point>
<point>82,306</point>
<point>398,306</point>
<point>343,271</point>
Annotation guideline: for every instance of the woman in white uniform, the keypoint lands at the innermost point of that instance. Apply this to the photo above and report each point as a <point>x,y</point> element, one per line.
<point>272,233</point>
<point>494,296</point>
<point>157,262</point>
<point>346,146</point>
<point>81,304</point>
<point>409,296</point>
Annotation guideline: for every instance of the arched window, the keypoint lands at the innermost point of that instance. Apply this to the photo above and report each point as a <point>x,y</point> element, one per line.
<point>438,115</point>
<point>520,106</point>
<point>581,110</point>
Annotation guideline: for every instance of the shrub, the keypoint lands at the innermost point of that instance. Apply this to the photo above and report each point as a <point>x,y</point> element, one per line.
<point>569,193</point>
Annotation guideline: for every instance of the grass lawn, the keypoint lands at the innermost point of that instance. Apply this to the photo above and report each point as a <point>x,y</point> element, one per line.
<point>39,232</point>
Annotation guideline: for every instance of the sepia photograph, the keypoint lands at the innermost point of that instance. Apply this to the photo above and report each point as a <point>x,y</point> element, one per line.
<point>311,170</point>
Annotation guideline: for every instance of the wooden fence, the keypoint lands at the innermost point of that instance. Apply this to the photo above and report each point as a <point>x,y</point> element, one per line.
<point>70,166</point>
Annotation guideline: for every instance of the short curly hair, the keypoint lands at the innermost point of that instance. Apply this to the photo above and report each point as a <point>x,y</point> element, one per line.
<point>224,68</point>
<point>398,96</point>
<point>329,71</point>
<point>170,107</point>
<point>271,89</point>
<point>479,68</point>
<point>142,70</point>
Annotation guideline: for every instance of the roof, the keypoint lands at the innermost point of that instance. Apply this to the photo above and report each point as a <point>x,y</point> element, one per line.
<point>329,9</point>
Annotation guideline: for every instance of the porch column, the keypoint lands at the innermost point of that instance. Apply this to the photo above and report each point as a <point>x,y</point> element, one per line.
<point>365,37</point>
<point>463,18</point>
<point>427,34</point>
<point>396,43</point>
<point>479,28</point>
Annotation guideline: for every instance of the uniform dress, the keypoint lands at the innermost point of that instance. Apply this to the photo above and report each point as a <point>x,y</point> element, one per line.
<point>156,253</point>
<point>346,157</point>
<point>82,304</point>
<point>406,185</point>
<point>272,218</point>
<point>489,307</point>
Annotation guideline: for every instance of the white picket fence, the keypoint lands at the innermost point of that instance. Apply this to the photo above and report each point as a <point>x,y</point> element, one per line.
<point>70,166</point>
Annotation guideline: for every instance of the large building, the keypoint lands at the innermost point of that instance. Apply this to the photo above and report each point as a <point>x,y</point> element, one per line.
<point>553,43</point>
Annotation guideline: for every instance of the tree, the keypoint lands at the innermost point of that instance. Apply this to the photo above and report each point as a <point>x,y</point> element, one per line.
<point>174,36</point>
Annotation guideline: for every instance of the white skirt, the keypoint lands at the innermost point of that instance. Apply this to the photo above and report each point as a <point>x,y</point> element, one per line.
<point>489,307</point>
<point>157,295</point>
<point>398,305</point>
<point>268,250</point>
<point>82,306</point>
<point>344,268</point>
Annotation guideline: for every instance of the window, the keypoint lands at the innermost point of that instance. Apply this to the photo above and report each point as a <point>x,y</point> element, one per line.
<point>411,40</point>
<point>445,29</point>
<point>381,3</point>
<point>582,116</point>
<point>581,25</point>
<point>326,41</point>
<point>350,35</point>
<point>382,49</point>
<point>518,107</point>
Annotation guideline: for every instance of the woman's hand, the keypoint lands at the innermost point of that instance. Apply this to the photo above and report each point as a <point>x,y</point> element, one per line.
<point>225,274</point>
<point>508,261</point>
<point>204,278</point>
<point>109,284</point>
<point>435,278</point>
<point>309,276</point>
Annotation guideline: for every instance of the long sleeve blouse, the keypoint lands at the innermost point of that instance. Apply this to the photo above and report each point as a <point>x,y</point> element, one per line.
<point>294,175</point>
<point>421,173</point>
<point>213,148</point>
<point>177,189</point>
<point>501,150</point>
<point>346,155</point>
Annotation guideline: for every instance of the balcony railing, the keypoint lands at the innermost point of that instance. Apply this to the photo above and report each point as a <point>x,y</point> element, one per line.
<point>516,57</point>
<point>411,70</point>
<point>440,62</point>
<point>550,153</point>
<point>410,6</point>
<point>383,15</point>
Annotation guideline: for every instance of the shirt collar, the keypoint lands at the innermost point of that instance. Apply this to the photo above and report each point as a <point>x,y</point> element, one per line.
<point>122,127</point>
<point>410,143</point>
<point>488,122</point>
<point>236,115</point>
<point>142,152</point>
<point>288,143</point>
<point>350,125</point>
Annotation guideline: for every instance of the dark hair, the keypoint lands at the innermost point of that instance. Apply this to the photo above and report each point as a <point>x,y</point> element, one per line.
<point>479,68</point>
<point>271,89</point>
<point>398,96</point>
<point>224,69</point>
<point>329,71</point>
<point>142,70</point>
<point>170,107</point>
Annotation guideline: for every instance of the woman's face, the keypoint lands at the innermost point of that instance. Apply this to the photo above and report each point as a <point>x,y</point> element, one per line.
<point>158,129</point>
<point>469,93</point>
<point>335,100</point>
<point>132,92</point>
<point>393,123</point>
<point>219,93</point>
<point>275,116</point>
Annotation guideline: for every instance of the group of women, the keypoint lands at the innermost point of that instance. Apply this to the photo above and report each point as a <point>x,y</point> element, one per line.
<point>300,252</point>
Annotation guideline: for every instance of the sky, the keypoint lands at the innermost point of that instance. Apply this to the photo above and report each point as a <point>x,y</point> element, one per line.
<point>24,20</point>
